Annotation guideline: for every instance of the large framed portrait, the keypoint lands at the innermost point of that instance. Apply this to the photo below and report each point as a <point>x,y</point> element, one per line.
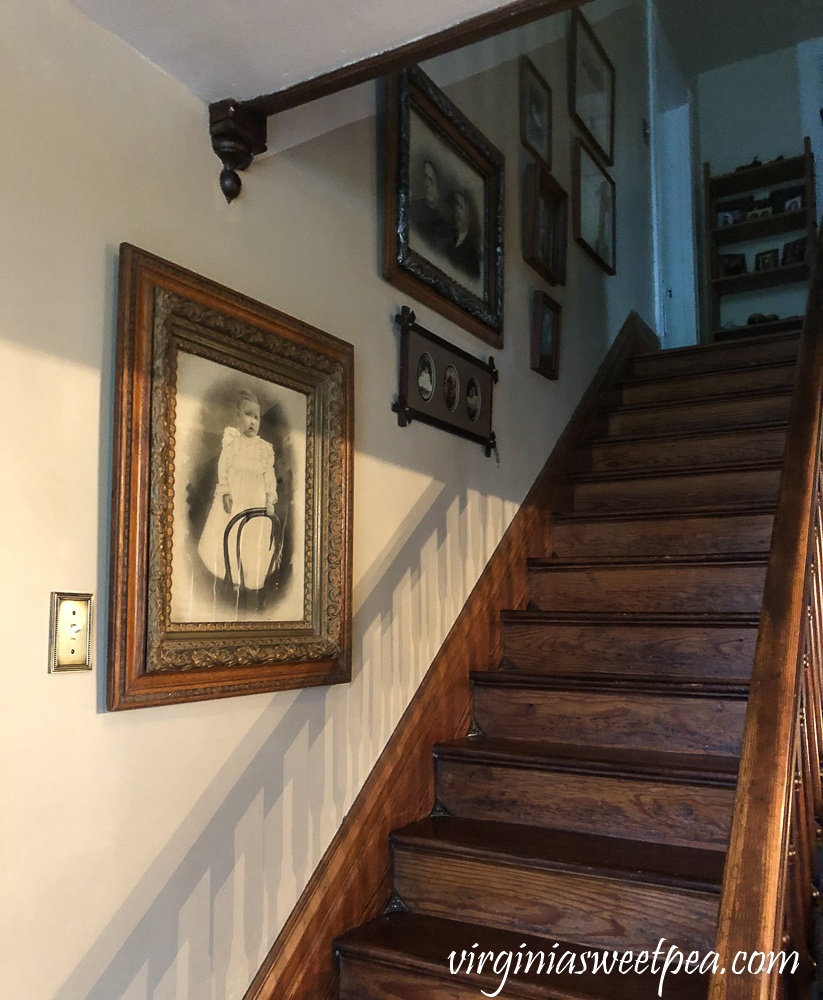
<point>442,207</point>
<point>535,113</point>
<point>545,224</point>
<point>592,86</point>
<point>595,214</point>
<point>231,499</point>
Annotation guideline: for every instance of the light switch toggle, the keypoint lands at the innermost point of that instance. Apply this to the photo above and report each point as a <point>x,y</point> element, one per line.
<point>70,646</point>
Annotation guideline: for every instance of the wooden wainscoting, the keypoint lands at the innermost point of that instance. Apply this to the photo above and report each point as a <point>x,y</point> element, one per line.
<point>352,883</point>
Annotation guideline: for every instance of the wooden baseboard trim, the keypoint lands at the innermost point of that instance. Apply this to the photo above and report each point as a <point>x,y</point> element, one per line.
<point>352,883</point>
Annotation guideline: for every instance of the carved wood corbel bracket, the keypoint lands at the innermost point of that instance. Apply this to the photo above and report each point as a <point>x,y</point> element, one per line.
<point>238,134</point>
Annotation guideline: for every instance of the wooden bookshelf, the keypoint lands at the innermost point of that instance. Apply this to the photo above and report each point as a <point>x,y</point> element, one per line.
<point>786,325</point>
<point>765,178</point>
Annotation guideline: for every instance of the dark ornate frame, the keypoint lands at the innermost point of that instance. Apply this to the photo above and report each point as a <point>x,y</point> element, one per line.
<point>410,272</point>
<point>577,161</point>
<point>579,23</point>
<point>541,302</point>
<point>528,69</point>
<point>163,310</point>
<point>467,365</point>
<point>541,185</point>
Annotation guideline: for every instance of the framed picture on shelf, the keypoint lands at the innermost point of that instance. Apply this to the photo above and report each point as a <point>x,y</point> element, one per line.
<point>442,385</point>
<point>232,494</point>
<point>794,252</point>
<point>545,345</point>
<point>592,85</point>
<point>442,207</point>
<point>545,224</point>
<point>788,199</point>
<point>594,197</point>
<point>535,113</point>
<point>767,260</point>
<point>732,264</point>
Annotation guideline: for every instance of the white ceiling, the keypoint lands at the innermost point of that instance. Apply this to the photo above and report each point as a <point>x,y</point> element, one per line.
<point>706,34</point>
<point>243,48</point>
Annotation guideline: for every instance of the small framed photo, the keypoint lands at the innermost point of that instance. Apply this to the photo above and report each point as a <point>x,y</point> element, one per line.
<point>732,264</point>
<point>592,84</point>
<point>535,113</point>
<point>545,346</point>
<point>594,204</point>
<point>232,494</point>
<point>794,252</point>
<point>545,224</point>
<point>442,385</point>
<point>762,212</point>
<point>767,260</point>
<point>725,219</point>
<point>442,207</point>
<point>788,199</point>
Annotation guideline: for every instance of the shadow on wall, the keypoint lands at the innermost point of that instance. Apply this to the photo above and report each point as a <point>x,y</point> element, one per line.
<point>202,918</point>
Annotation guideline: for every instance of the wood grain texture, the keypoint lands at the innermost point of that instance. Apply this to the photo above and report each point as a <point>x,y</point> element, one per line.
<point>704,414</point>
<point>663,586</point>
<point>719,356</point>
<point>353,880</point>
<point>691,650</point>
<point>701,448</point>
<point>694,386</point>
<point>660,810</point>
<point>608,535</point>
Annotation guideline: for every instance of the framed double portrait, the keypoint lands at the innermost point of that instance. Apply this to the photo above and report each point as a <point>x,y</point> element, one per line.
<point>442,206</point>
<point>231,497</point>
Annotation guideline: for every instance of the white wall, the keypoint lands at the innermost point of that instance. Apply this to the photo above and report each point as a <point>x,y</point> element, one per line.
<point>155,854</point>
<point>748,109</point>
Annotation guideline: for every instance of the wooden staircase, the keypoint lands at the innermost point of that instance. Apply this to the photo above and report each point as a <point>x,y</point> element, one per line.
<point>593,803</point>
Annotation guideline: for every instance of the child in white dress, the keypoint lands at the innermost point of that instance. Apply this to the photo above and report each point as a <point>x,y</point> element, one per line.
<point>245,480</point>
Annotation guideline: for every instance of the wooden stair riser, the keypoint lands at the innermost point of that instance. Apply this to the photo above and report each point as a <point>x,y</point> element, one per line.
<point>662,536</point>
<point>660,811</point>
<point>700,588</point>
<point>724,653</point>
<point>710,415</point>
<point>709,384</point>
<point>734,354</point>
<point>665,453</point>
<point>613,719</point>
<point>583,908</point>
<point>724,488</point>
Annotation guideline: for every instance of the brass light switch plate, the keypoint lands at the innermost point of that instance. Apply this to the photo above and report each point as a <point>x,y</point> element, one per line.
<point>70,632</point>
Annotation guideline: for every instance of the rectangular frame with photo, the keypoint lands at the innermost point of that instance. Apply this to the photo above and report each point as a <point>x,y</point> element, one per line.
<point>545,224</point>
<point>545,345</point>
<point>442,206</point>
<point>794,252</point>
<point>442,385</point>
<point>767,260</point>
<point>592,87</point>
<point>594,198</point>
<point>535,113</point>
<point>231,535</point>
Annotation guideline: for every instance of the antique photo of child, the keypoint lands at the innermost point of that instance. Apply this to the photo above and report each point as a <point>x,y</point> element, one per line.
<point>239,497</point>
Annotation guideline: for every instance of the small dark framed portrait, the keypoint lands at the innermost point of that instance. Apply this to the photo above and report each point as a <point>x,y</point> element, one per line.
<point>767,260</point>
<point>545,224</point>
<point>788,199</point>
<point>545,346</point>
<point>794,252</point>
<point>732,264</point>
<point>442,206</point>
<point>594,204</point>
<point>535,112</point>
<point>592,84</point>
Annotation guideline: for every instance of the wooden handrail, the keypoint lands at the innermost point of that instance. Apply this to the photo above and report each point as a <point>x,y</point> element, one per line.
<point>770,862</point>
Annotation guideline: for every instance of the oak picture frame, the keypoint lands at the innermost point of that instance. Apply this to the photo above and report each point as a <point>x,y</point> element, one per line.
<point>531,79</point>
<point>583,36</point>
<point>172,323</point>
<point>603,247</point>
<point>545,362</point>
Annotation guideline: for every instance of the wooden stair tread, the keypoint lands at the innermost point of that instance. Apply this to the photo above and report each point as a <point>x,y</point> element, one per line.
<point>697,868</point>
<point>701,401</point>
<point>745,342</point>
<point>537,616</point>
<point>662,514</point>
<point>636,380</point>
<point>667,472</point>
<point>688,432</point>
<point>651,684</point>
<point>659,765</point>
<point>553,564</point>
<point>422,944</point>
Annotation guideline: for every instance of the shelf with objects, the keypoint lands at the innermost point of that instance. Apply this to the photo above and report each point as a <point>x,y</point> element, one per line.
<point>744,210</point>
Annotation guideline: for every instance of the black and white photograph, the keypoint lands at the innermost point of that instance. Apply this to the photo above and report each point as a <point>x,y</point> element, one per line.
<point>446,218</point>
<point>451,387</point>
<point>426,377</point>
<point>442,206</point>
<point>473,399</point>
<point>240,476</point>
<point>594,208</point>
<point>535,112</point>
<point>592,84</point>
<point>545,342</point>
